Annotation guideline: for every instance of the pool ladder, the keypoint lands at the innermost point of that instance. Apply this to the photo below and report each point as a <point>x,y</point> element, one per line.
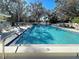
<point>17,48</point>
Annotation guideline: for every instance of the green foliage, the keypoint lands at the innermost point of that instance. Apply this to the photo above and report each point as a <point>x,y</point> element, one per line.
<point>75,20</point>
<point>52,21</point>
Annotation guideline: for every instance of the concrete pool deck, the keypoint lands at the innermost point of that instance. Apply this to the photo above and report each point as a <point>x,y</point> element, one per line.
<point>41,49</point>
<point>9,37</point>
<point>70,29</point>
<point>74,30</point>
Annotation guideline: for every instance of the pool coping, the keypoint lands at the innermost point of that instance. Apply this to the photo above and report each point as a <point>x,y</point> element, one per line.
<point>69,29</point>
<point>49,49</point>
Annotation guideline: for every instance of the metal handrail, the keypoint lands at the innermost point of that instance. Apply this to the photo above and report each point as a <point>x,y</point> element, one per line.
<point>17,48</point>
<point>3,44</point>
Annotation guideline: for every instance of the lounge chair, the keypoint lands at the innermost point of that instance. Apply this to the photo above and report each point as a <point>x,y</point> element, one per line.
<point>4,31</point>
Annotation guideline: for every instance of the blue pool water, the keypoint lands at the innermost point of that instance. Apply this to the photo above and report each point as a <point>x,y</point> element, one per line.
<point>45,34</point>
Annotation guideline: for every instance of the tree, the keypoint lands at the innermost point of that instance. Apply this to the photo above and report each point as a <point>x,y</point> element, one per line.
<point>52,17</point>
<point>16,8</point>
<point>37,11</point>
<point>68,7</point>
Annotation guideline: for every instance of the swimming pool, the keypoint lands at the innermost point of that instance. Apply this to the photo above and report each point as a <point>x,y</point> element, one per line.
<point>46,34</point>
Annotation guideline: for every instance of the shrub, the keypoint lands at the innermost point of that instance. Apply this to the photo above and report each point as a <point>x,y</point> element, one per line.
<point>53,20</point>
<point>75,20</point>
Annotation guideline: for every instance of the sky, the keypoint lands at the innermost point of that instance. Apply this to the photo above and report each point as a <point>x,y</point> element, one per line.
<point>48,4</point>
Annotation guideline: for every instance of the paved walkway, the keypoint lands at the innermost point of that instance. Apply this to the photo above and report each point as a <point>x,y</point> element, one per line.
<point>3,35</point>
<point>38,57</point>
